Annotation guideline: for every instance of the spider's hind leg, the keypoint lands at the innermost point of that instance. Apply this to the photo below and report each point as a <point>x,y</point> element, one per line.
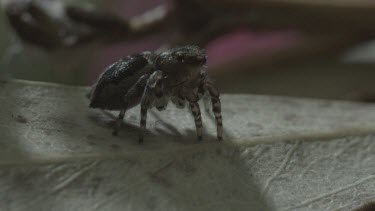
<point>143,123</point>
<point>130,97</point>
<point>119,121</point>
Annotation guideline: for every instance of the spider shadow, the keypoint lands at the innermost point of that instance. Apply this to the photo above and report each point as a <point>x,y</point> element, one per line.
<point>106,119</point>
<point>130,128</point>
<point>186,136</point>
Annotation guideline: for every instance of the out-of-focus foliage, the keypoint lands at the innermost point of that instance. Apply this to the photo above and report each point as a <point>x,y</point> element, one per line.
<point>27,61</point>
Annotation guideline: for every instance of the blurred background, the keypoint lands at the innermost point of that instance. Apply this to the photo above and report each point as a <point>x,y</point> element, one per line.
<point>305,48</point>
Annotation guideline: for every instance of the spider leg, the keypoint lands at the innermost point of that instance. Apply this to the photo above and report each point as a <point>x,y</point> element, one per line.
<point>133,92</point>
<point>118,123</point>
<point>195,110</point>
<point>161,100</point>
<point>179,101</point>
<point>143,122</point>
<point>202,94</point>
<point>147,100</point>
<point>216,107</point>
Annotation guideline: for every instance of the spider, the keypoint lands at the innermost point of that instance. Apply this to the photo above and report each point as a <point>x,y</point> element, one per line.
<point>152,80</point>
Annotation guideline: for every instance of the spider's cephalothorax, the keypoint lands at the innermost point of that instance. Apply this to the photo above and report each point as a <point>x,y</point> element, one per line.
<point>152,79</point>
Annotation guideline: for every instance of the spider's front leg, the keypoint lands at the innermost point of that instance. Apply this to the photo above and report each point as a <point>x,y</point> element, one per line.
<point>195,110</point>
<point>147,100</point>
<point>216,107</point>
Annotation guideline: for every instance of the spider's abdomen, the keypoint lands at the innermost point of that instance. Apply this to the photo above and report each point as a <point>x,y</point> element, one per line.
<point>117,79</point>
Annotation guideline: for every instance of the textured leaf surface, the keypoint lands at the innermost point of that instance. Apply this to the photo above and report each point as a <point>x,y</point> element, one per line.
<point>278,154</point>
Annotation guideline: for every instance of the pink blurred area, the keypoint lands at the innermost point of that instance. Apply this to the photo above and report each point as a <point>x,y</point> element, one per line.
<point>244,42</point>
<point>233,45</point>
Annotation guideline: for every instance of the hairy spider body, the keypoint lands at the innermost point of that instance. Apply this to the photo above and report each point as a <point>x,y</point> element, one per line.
<point>116,81</point>
<point>154,79</point>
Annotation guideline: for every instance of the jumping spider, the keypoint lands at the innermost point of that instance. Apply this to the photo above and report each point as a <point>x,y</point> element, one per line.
<point>152,79</point>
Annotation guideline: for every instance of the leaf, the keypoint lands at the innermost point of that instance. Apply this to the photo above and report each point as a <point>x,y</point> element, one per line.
<point>279,153</point>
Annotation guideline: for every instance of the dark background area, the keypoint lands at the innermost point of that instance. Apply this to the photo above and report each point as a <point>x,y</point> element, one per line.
<point>275,47</point>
